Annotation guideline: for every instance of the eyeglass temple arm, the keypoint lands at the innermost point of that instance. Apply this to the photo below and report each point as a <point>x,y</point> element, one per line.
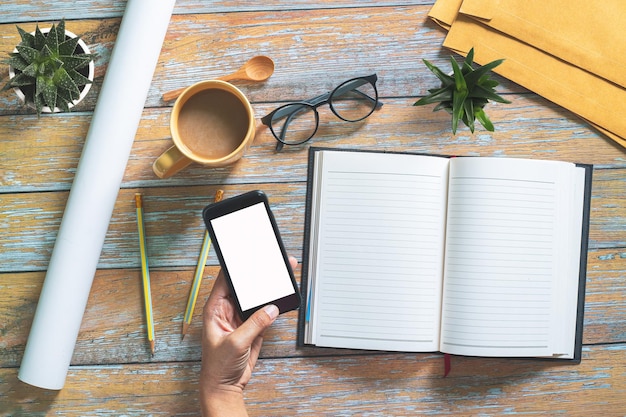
<point>293,108</point>
<point>352,86</point>
<point>316,101</point>
<point>379,103</point>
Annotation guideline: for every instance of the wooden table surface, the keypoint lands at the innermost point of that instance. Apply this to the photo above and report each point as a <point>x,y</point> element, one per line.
<point>316,44</point>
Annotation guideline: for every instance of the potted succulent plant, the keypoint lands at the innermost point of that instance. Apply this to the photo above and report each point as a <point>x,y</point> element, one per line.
<point>50,70</point>
<point>464,92</point>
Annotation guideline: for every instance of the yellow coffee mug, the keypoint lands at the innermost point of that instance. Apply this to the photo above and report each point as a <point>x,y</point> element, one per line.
<point>212,124</point>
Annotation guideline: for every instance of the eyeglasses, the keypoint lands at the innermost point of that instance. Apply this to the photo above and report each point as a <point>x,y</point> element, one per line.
<point>296,123</point>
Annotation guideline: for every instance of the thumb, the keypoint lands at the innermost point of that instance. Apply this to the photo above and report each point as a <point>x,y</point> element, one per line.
<point>257,324</point>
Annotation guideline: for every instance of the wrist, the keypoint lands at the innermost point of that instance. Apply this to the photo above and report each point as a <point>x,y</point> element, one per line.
<point>222,401</point>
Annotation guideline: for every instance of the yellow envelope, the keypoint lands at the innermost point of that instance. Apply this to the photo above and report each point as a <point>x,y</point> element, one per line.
<point>444,12</point>
<point>584,33</point>
<point>617,139</point>
<point>600,102</point>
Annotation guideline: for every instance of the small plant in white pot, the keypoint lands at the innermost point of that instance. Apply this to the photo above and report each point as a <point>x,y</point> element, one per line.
<point>50,70</point>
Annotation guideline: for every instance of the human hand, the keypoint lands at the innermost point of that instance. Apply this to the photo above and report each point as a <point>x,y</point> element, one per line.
<point>230,350</point>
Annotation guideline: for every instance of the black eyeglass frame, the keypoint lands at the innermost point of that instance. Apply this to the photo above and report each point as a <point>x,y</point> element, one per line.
<point>290,109</point>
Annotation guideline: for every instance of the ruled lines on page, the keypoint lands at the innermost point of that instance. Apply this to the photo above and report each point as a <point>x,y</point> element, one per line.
<point>380,257</point>
<point>499,265</point>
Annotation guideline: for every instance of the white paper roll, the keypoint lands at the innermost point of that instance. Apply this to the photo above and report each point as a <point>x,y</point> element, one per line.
<point>92,197</point>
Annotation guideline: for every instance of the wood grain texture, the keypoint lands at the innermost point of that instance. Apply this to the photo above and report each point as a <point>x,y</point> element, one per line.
<point>315,46</point>
<point>174,225</point>
<point>38,10</point>
<point>372,385</point>
<point>113,328</point>
<point>327,46</point>
<point>53,144</point>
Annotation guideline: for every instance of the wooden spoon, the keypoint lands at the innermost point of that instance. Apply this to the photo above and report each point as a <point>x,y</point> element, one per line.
<point>257,68</point>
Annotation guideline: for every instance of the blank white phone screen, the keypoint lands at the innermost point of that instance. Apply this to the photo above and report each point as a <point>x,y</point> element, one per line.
<point>252,255</point>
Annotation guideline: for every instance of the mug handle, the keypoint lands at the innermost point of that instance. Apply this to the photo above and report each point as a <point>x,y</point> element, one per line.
<point>170,162</point>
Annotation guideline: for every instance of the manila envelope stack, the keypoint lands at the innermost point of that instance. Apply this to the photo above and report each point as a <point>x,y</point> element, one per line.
<point>572,52</point>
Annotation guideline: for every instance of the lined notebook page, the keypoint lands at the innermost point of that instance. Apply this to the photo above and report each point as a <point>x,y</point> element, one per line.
<point>379,252</point>
<point>503,257</point>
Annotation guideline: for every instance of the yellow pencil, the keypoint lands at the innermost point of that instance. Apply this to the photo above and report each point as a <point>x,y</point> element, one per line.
<point>197,279</point>
<point>147,298</point>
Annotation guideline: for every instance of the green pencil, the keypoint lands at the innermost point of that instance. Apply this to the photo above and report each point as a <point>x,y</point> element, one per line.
<point>197,279</point>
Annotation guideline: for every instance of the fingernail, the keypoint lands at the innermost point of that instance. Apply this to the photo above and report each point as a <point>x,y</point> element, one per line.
<point>271,311</point>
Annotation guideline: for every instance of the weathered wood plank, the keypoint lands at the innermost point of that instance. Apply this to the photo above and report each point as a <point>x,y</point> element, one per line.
<point>53,145</point>
<point>376,384</point>
<point>113,328</point>
<point>37,10</point>
<point>174,226</point>
<point>312,50</point>
<point>413,385</point>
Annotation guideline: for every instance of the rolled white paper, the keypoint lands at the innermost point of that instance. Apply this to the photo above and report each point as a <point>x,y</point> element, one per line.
<point>92,197</point>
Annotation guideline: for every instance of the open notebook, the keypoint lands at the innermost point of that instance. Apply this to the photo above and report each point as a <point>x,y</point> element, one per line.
<point>470,256</point>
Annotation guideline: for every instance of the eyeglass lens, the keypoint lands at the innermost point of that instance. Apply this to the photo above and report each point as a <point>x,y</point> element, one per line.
<point>352,101</point>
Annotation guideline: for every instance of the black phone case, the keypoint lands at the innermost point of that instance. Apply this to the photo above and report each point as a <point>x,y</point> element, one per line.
<point>231,205</point>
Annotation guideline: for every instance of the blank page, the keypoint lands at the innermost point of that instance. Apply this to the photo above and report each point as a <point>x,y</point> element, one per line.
<point>507,255</point>
<point>377,261</point>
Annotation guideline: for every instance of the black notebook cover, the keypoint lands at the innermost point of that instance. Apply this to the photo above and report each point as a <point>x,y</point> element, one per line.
<point>303,312</point>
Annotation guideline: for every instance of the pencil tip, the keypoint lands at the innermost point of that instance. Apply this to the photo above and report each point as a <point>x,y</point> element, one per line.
<point>152,347</point>
<point>184,332</point>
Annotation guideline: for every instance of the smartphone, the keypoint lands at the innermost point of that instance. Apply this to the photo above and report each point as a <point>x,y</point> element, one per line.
<point>252,255</point>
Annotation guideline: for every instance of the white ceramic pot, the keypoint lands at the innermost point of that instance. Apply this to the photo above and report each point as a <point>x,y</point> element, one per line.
<point>85,88</point>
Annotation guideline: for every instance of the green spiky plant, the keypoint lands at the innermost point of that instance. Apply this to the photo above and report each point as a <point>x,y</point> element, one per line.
<point>465,93</point>
<point>47,68</point>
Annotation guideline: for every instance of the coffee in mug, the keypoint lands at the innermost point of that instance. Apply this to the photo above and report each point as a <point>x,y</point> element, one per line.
<point>212,123</point>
